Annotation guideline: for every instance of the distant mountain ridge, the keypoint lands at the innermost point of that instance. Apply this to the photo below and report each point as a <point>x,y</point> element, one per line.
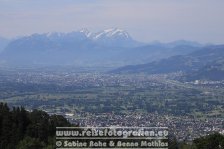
<point>207,63</point>
<point>3,43</point>
<point>109,37</point>
<point>111,48</point>
<point>212,71</point>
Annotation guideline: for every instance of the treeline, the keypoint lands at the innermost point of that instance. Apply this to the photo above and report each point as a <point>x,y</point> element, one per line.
<point>213,141</point>
<point>20,129</point>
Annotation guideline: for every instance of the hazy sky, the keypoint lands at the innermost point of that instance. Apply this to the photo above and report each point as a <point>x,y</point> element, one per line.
<point>145,20</point>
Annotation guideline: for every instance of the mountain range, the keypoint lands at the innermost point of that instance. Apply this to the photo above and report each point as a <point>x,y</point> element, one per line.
<point>111,48</point>
<point>114,48</point>
<point>206,63</point>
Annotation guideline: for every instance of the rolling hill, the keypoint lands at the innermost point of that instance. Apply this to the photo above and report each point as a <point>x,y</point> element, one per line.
<point>213,71</point>
<point>208,60</point>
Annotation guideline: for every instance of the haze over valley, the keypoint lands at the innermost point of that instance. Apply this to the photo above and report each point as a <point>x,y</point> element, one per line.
<point>130,64</point>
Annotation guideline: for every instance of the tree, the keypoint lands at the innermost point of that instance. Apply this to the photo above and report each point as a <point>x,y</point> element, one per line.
<point>24,129</point>
<point>30,143</point>
<point>214,141</point>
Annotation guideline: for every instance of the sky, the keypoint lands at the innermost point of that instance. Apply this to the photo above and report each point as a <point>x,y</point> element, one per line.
<point>145,20</point>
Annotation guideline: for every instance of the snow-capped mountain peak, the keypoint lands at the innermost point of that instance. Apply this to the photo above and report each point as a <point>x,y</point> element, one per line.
<point>112,33</point>
<point>107,34</point>
<point>86,32</point>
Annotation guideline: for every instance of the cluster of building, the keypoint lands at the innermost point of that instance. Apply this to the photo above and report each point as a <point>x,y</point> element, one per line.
<point>182,127</point>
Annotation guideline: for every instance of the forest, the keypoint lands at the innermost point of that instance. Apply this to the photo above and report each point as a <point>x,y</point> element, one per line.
<point>21,129</point>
